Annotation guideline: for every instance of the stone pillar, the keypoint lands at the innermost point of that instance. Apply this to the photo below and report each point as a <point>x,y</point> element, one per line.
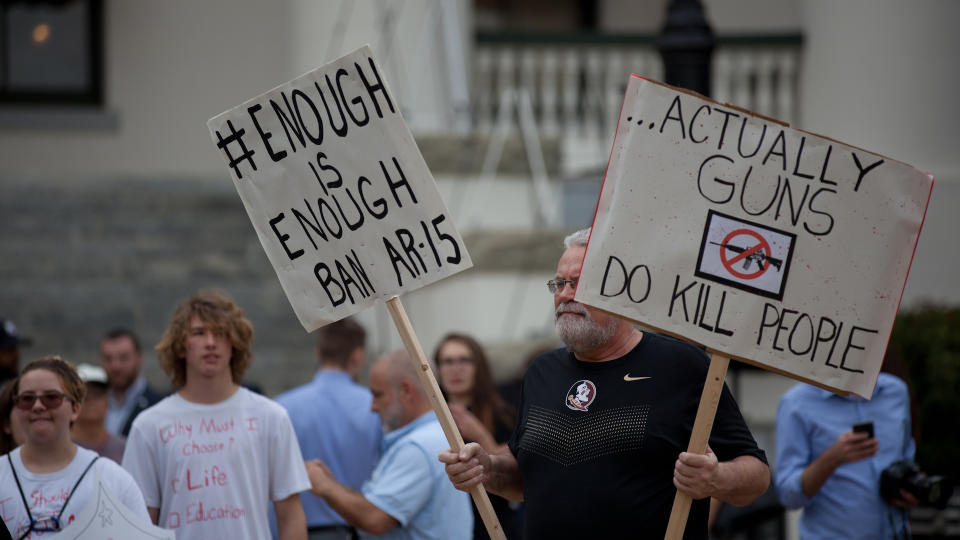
<point>423,48</point>
<point>882,75</point>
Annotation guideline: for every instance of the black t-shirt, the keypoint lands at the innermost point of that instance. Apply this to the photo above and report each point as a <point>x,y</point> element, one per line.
<point>597,442</point>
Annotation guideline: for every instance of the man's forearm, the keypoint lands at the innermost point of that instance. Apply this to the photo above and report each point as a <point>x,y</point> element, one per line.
<point>358,511</point>
<point>742,480</point>
<point>504,478</point>
<point>848,447</point>
<point>817,472</point>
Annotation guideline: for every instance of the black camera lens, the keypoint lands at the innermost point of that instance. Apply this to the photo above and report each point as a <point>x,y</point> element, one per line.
<point>906,475</point>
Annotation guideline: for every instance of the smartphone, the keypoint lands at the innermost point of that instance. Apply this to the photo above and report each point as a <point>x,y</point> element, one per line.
<point>864,427</point>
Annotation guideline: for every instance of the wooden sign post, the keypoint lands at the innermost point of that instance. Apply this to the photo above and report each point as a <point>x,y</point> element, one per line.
<point>344,205</point>
<point>761,243</point>
<point>429,384</point>
<point>706,411</point>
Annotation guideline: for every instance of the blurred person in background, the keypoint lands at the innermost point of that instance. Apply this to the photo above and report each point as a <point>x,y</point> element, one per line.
<point>7,441</point>
<point>11,435</point>
<point>482,416</point>
<point>48,480</point>
<point>332,419</point>
<point>89,430</point>
<point>129,394</point>
<point>10,343</point>
<point>408,496</point>
<point>833,471</point>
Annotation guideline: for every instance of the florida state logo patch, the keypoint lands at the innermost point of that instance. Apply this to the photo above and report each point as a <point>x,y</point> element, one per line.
<point>581,395</point>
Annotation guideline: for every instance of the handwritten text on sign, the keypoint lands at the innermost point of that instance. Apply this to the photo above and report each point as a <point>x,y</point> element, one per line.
<point>766,243</point>
<point>212,472</point>
<point>338,191</point>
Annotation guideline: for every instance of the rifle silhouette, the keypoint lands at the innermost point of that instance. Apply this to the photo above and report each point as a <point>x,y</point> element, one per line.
<point>757,256</point>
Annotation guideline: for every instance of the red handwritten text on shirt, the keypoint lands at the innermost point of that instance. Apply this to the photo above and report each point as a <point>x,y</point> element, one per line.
<point>197,512</point>
<point>195,449</point>
<point>212,426</point>
<point>206,478</point>
<point>174,430</point>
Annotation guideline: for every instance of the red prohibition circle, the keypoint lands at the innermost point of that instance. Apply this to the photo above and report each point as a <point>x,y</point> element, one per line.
<point>728,263</point>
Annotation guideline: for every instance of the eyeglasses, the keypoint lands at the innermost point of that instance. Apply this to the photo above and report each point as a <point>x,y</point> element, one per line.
<point>50,400</point>
<point>45,524</point>
<point>451,360</point>
<point>557,285</point>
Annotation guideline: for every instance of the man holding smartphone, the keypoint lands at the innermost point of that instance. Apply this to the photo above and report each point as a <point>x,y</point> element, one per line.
<point>831,451</point>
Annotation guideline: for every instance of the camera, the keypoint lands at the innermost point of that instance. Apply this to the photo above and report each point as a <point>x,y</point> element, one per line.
<point>907,475</point>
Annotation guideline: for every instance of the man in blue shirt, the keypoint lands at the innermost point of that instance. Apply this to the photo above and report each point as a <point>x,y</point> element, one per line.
<point>832,472</point>
<point>128,394</point>
<point>408,497</point>
<point>333,422</point>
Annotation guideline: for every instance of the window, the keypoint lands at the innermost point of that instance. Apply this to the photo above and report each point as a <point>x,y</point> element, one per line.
<point>51,52</point>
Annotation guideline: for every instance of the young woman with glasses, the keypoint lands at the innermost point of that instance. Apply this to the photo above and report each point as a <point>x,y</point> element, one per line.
<point>482,416</point>
<point>48,480</point>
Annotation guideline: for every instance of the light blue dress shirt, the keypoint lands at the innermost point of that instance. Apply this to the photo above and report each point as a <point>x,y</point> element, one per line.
<point>849,504</point>
<point>118,412</point>
<point>332,419</point>
<point>411,485</point>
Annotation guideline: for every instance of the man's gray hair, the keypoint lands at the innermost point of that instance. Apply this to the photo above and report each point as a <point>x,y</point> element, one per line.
<point>400,368</point>
<point>578,238</point>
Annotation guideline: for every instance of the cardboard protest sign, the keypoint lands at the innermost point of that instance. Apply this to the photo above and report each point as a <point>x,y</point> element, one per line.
<point>771,245</point>
<point>104,517</point>
<point>344,205</point>
<point>337,190</point>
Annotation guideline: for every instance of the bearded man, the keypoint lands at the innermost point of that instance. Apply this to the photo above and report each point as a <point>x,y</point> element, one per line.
<point>612,414</point>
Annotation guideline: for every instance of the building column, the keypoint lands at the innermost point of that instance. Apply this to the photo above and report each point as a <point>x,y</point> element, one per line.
<point>882,75</point>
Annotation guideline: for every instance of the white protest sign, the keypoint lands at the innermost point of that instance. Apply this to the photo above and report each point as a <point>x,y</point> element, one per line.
<point>104,518</point>
<point>344,205</point>
<point>337,190</point>
<point>768,244</point>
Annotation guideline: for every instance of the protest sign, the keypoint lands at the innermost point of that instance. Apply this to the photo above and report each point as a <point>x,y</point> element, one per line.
<point>768,244</point>
<point>337,191</point>
<point>345,206</point>
<point>104,517</point>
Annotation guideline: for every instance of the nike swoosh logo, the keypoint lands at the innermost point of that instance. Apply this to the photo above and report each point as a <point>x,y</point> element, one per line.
<point>628,378</point>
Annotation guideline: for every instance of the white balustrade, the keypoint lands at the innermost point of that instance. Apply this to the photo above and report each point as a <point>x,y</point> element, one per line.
<point>483,84</point>
<point>576,88</point>
<point>569,89</point>
<point>787,86</point>
<point>549,92</point>
<point>764,91</point>
<point>722,76</point>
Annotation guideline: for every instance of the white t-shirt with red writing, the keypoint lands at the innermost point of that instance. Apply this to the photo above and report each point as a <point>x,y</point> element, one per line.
<point>46,493</point>
<point>213,470</point>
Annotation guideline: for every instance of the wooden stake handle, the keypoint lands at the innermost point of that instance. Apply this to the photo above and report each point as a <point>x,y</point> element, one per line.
<point>430,387</point>
<point>707,410</point>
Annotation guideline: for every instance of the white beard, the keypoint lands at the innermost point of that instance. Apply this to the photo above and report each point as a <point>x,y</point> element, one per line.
<point>582,333</point>
<point>392,417</point>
